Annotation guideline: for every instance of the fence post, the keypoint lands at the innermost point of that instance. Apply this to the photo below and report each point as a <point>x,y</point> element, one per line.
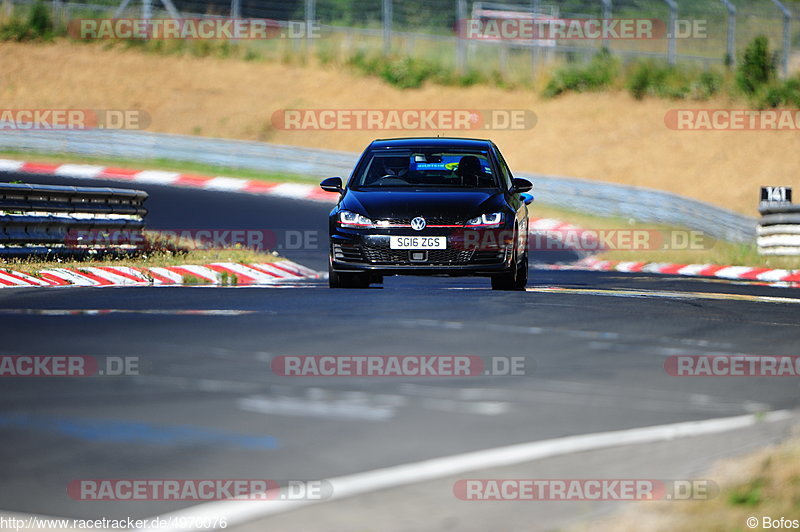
<point>731,31</point>
<point>387,27</point>
<point>461,29</point>
<point>503,59</point>
<point>310,9</point>
<point>534,44</point>
<point>671,29</point>
<point>121,8</point>
<point>606,15</point>
<point>171,9</point>
<point>787,43</point>
<point>58,12</point>
<point>147,9</point>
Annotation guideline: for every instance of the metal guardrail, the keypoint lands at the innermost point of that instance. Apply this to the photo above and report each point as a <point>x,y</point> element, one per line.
<point>69,221</point>
<point>642,204</point>
<point>217,152</point>
<point>779,229</point>
<point>605,199</point>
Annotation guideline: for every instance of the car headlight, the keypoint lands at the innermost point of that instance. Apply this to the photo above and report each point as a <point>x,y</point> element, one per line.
<point>353,219</point>
<point>494,219</point>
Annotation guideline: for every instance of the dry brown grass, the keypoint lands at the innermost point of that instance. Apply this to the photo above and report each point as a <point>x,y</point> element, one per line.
<point>763,483</point>
<point>606,136</point>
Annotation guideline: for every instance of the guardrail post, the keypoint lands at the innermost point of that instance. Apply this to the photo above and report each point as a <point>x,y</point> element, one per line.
<point>671,30</point>
<point>387,27</point>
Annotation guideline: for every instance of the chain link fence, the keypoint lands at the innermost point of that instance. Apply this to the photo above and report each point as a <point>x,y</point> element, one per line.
<point>700,32</point>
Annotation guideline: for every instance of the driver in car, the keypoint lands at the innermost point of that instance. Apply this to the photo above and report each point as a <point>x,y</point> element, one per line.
<point>396,167</point>
<point>471,171</point>
<point>388,168</point>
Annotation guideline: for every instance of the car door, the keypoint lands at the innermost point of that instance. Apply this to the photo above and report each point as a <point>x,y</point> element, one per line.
<point>515,202</point>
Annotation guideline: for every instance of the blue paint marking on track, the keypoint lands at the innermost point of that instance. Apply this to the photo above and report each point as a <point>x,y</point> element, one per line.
<point>115,431</point>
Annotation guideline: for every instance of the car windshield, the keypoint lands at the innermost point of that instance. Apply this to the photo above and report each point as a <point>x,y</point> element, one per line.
<point>425,168</point>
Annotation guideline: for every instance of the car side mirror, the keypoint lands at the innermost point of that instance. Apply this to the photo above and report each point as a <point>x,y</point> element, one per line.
<point>520,185</point>
<point>332,184</point>
<point>527,198</point>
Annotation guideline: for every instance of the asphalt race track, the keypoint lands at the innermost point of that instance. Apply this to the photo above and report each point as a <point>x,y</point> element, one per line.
<point>207,405</point>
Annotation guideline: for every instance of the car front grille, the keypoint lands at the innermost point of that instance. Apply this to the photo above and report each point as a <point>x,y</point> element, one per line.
<point>442,257</point>
<point>383,255</point>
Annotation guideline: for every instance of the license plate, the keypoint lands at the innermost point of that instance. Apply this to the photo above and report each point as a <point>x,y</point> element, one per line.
<point>418,242</point>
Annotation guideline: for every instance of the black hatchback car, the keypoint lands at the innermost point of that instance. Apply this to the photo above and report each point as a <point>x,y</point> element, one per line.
<point>429,206</point>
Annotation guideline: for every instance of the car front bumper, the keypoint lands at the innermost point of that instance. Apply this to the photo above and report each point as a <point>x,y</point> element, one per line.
<point>357,251</point>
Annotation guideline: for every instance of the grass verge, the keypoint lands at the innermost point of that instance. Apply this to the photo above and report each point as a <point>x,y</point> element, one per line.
<point>158,254</point>
<point>765,483</point>
<point>711,251</point>
<point>160,164</point>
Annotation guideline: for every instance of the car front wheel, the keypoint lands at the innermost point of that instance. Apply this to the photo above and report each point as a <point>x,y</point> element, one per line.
<point>347,280</point>
<point>515,279</point>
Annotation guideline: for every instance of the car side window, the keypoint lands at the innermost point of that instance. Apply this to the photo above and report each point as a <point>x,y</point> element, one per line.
<point>504,171</point>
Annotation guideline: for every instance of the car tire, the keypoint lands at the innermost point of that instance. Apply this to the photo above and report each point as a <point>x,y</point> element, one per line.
<point>347,280</point>
<point>334,280</point>
<point>508,279</point>
<point>515,279</point>
<point>522,273</point>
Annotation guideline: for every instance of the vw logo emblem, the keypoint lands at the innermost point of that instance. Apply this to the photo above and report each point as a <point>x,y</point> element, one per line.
<point>418,223</point>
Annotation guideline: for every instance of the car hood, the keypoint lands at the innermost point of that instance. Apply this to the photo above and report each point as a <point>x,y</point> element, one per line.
<point>408,204</point>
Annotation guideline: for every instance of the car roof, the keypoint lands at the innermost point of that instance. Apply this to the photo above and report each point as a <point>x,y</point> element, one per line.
<point>444,142</point>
